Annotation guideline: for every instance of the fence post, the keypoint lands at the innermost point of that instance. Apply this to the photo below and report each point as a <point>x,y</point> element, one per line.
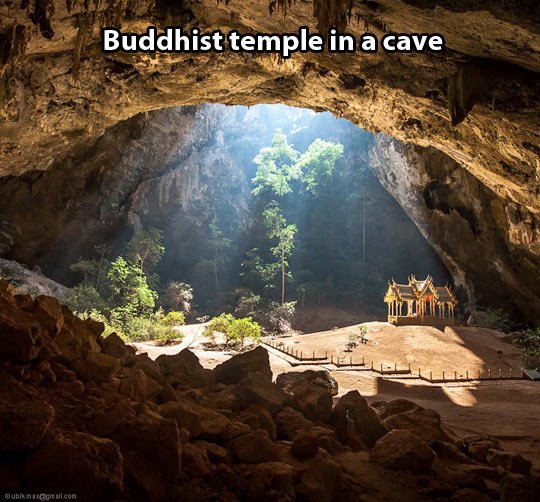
<point>455,375</point>
<point>431,375</point>
<point>395,366</point>
<point>350,361</point>
<point>467,374</point>
<point>500,372</point>
<point>332,358</point>
<point>326,355</point>
<point>313,354</point>
<point>510,373</point>
<point>489,373</point>
<point>479,375</point>
<point>363,361</point>
<point>409,367</point>
<point>443,376</point>
<point>419,373</point>
<point>381,369</point>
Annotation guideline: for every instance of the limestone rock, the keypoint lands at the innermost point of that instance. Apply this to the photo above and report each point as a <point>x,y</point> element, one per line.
<point>237,367</point>
<point>139,387</point>
<point>24,424</point>
<point>256,389</point>
<point>289,422</point>
<point>402,450</point>
<point>356,424</point>
<point>152,454</point>
<point>77,462</point>
<point>478,446</point>
<point>96,367</point>
<point>201,422</point>
<point>253,448</point>
<point>509,462</point>
<point>317,379</point>
<point>184,370</point>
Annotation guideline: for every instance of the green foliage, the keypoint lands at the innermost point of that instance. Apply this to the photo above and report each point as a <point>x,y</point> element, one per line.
<point>236,331</point>
<point>276,167</point>
<point>178,295</point>
<point>174,318</point>
<point>88,269</point>
<point>82,298</point>
<point>528,343</point>
<point>146,248</point>
<point>318,162</point>
<point>279,230</point>
<point>247,303</point>
<point>493,319</point>
<point>130,293</point>
<point>354,338</point>
<point>145,328</point>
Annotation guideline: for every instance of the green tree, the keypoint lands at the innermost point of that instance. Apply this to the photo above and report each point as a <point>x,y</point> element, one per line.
<point>88,269</point>
<point>146,247</point>
<point>129,288</point>
<point>317,163</point>
<point>279,230</point>
<point>276,167</point>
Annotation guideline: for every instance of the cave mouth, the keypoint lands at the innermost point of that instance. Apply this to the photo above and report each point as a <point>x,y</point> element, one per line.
<point>184,193</point>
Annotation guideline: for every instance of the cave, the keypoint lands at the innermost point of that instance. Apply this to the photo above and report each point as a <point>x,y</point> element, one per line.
<point>100,152</point>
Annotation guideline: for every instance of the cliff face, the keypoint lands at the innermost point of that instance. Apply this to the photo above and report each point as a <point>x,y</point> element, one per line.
<point>140,170</point>
<point>478,102</point>
<point>489,247</point>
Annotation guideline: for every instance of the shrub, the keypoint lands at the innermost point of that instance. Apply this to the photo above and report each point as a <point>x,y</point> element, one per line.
<point>528,343</point>
<point>354,338</point>
<point>243,329</point>
<point>83,298</point>
<point>493,319</point>
<point>236,331</point>
<point>247,303</point>
<point>174,318</point>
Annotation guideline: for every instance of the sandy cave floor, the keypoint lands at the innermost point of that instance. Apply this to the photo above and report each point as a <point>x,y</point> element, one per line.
<point>508,410</point>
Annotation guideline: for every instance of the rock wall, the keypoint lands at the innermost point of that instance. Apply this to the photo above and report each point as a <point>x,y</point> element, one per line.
<point>487,244</point>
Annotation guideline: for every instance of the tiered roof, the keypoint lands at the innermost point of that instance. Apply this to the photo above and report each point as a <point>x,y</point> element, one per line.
<point>416,289</point>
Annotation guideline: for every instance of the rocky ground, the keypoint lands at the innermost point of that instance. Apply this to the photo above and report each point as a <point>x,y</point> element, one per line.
<point>83,414</point>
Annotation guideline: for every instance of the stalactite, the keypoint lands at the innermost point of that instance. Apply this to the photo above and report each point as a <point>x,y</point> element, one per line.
<point>332,14</point>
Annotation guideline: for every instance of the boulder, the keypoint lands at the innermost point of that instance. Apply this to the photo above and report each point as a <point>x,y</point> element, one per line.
<point>96,367</point>
<point>470,495</point>
<point>139,387</point>
<point>78,463</point>
<point>253,448</point>
<point>236,368</point>
<point>265,481</point>
<point>216,454</point>
<point>356,424</point>
<point>289,422</point>
<point>424,423</point>
<point>402,450</point>
<point>258,417</point>
<point>478,446</point>
<point>519,488</point>
<point>307,443</point>
<point>318,379</point>
<point>20,335</point>
<point>320,480</point>
<point>47,312</point>
<point>195,462</point>
<point>183,370</point>
<point>200,422</point>
<point>509,462</point>
<point>152,454</point>
<point>24,424</point>
<point>314,403</point>
<point>113,345</point>
<point>109,419</point>
<point>257,389</point>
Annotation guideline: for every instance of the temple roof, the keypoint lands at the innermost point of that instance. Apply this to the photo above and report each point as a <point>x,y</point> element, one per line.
<point>416,289</point>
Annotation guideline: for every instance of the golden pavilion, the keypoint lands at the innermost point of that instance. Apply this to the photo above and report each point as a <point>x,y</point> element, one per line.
<point>420,302</point>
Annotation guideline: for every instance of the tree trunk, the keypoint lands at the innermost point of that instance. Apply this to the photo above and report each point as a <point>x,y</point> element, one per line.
<point>364,227</point>
<point>282,278</point>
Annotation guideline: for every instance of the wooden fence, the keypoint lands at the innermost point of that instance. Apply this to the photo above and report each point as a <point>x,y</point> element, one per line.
<point>300,357</point>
